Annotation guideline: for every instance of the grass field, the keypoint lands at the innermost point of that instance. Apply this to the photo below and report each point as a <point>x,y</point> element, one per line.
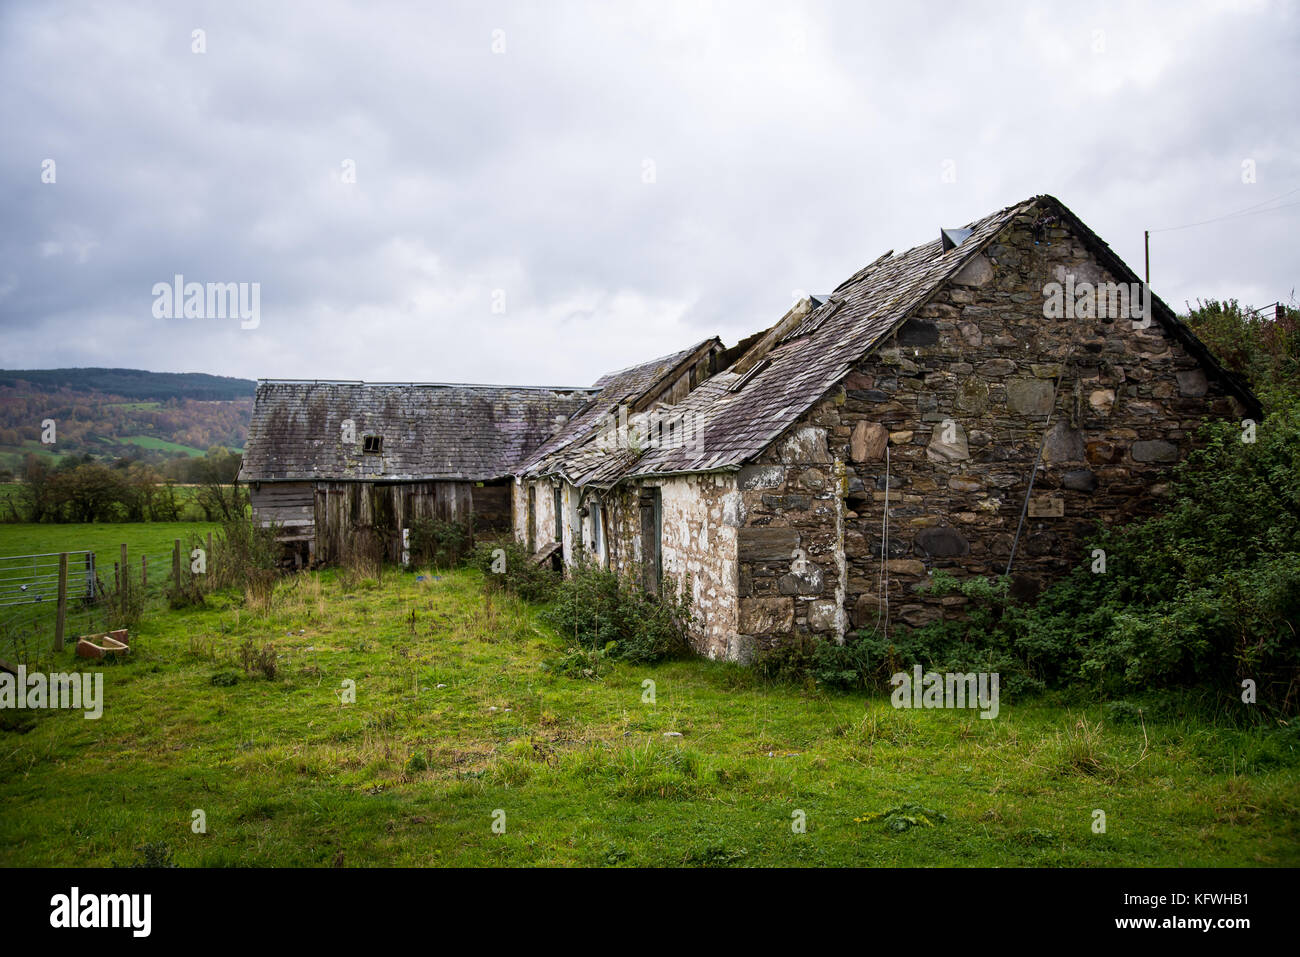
<point>457,723</point>
<point>150,442</point>
<point>103,538</point>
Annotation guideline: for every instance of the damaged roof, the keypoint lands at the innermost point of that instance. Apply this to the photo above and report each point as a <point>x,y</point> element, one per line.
<point>572,451</point>
<point>738,413</point>
<point>299,430</point>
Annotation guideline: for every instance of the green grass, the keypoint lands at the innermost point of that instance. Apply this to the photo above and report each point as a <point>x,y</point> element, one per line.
<point>151,442</point>
<point>103,538</point>
<point>456,718</point>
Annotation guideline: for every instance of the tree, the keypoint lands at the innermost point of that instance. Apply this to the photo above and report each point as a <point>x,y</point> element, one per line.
<point>90,493</point>
<point>219,496</point>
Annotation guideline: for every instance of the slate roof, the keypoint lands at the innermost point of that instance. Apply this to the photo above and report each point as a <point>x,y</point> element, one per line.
<point>806,362</point>
<point>567,451</point>
<point>430,432</point>
<point>482,432</point>
<point>812,358</point>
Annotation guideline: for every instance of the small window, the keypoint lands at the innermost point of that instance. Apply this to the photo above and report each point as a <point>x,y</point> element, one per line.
<point>372,444</point>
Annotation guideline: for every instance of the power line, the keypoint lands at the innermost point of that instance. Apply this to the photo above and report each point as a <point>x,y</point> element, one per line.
<point>1247,211</point>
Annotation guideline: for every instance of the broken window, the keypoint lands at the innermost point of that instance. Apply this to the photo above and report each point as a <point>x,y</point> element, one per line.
<point>372,444</point>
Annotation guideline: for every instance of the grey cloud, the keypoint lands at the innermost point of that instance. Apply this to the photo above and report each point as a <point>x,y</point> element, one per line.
<point>791,144</point>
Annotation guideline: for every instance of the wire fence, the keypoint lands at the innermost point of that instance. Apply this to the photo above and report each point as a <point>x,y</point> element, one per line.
<point>49,601</point>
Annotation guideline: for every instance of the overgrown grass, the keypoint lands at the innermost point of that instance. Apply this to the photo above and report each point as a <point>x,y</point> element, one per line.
<point>454,719</point>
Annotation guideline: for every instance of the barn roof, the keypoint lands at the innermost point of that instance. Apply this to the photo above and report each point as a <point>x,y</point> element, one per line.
<point>430,431</point>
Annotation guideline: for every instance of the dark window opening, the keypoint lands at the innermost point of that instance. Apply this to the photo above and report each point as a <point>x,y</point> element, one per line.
<point>651,530</point>
<point>372,444</point>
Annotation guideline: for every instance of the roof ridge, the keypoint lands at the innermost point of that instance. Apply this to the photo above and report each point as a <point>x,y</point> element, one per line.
<point>406,384</point>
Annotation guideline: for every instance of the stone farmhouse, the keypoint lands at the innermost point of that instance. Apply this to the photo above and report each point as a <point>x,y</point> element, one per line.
<point>978,404</point>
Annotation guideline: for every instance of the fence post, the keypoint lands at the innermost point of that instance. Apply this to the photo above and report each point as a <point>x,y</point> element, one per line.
<point>144,573</point>
<point>176,565</point>
<point>90,576</point>
<point>126,579</point>
<point>61,619</point>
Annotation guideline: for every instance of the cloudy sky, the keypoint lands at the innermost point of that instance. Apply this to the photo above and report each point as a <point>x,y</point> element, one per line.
<point>546,191</point>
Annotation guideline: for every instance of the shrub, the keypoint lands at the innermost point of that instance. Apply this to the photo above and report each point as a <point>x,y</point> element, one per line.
<point>507,566</point>
<point>440,543</point>
<point>245,555</point>
<point>599,608</point>
<point>789,662</point>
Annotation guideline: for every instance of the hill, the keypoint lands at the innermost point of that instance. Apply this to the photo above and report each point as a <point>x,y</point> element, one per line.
<point>135,383</point>
<point>115,413</point>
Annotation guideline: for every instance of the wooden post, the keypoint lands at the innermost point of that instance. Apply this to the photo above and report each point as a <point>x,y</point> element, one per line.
<point>126,577</point>
<point>1146,249</point>
<point>117,578</point>
<point>90,576</point>
<point>176,564</point>
<point>61,619</point>
<point>144,573</point>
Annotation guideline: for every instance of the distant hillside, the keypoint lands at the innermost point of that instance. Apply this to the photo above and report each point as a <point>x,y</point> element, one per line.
<point>135,383</point>
<point>112,414</point>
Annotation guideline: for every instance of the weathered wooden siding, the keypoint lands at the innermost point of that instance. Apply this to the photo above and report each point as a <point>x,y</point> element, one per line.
<point>344,509</point>
<point>286,504</point>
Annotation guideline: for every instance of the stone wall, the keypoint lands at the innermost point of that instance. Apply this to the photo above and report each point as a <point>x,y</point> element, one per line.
<point>959,399</point>
<point>543,514</point>
<point>699,518</point>
<point>792,574</point>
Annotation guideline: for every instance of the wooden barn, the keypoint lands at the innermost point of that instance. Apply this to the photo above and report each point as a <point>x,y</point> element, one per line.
<point>332,464</point>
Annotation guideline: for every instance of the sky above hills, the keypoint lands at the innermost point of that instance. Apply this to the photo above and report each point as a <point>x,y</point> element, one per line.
<point>542,192</point>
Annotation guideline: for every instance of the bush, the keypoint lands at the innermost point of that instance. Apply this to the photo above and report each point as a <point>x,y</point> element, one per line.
<point>790,662</point>
<point>439,543</point>
<point>598,608</point>
<point>508,567</point>
<point>245,555</point>
<point>1207,594</point>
